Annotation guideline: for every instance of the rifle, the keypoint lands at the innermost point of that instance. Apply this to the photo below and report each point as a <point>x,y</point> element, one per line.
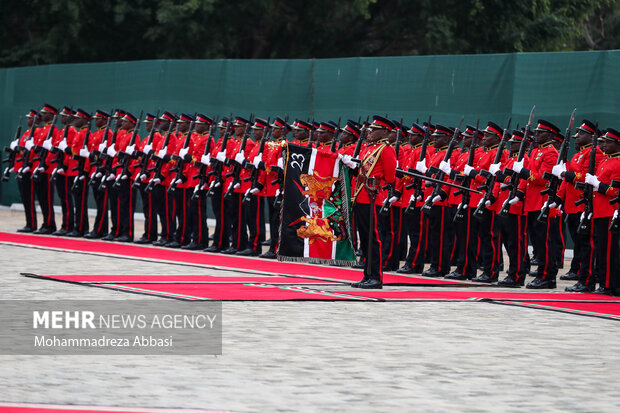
<point>440,182</point>
<point>490,178</point>
<point>143,156</point>
<point>360,141</point>
<point>513,185</point>
<point>237,167</point>
<point>391,190</point>
<point>202,174</point>
<point>26,152</point>
<point>218,166</point>
<point>180,161</point>
<point>554,181</point>
<point>95,156</point>
<point>332,147</point>
<point>159,162</point>
<point>12,153</point>
<point>417,183</point>
<point>59,160</point>
<point>587,198</point>
<point>42,152</point>
<point>81,166</point>
<point>253,178</point>
<point>439,174</point>
<point>461,209</point>
<point>614,225</point>
<point>105,166</point>
<point>124,158</point>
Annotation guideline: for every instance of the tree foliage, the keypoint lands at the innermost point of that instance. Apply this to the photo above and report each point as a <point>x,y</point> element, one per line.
<point>67,31</point>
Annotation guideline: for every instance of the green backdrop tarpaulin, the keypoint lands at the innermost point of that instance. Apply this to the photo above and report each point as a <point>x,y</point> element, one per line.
<point>489,87</point>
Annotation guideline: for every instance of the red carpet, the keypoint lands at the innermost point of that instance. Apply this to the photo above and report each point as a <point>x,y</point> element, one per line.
<point>243,264</point>
<point>180,279</point>
<point>54,408</point>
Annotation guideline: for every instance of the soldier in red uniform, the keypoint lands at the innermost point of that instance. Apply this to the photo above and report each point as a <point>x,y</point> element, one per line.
<point>148,209</point>
<point>349,135</point>
<point>415,221</point>
<point>546,235</point>
<point>606,267</point>
<point>301,132</point>
<point>24,177</point>
<point>62,176</point>
<point>325,135</point>
<point>379,163</point>
<point>80,190</point>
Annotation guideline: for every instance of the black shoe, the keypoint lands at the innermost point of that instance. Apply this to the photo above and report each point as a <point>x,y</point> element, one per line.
<point>161,242</point>
<point>405,269</point>
<point>93,235</point>
<point>432,272</point>
<point>75,234</point>
<point>60,233</point>
<point>229,251</point>
<point>603,290</point>
<point>26,229</point>
<point>269,254</point>
<point>123,238</point>
<point>357,284</point>
<point>579,288</point>
<point>370,285</point>
<point>511,283</point>
<point>109,237</point>
<point>570,276</point>
<point>485,278</point>
<point>173,244</point>
<point>212,248</point>
<point>538,284</point>
<point>44,230</point>
<point>359,265</point>
<point>455,275</point>
<point>143,240</point>
<point>267,242</point>
<point>248,252</point>
<point>192,246</point>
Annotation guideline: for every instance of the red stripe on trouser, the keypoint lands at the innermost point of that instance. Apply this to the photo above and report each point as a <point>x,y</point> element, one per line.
<point>255,243</point>
<point>150,217</point>
<point>221,219</point>
<point>199,220</point>
<point>184,211</point>
<point>562,238</point>
<point>387,259</point>
<point>518,245</point>
<point>607,259</point>
<point>32,208</point>
<point>83,206</point>
<point>400,231</point>
<point>441,240</point>
<point>493,248</point>
<point>67,223</point>
<point>420,237</point>
<point>591,260</point>
<point>131,200</point>
<point>467,231</point>
<point>50,206</point>
<point>104,209</point>
<point>239,223</point>
<point>547,258</point>
<point>167,234</point>
<point>378,238</point>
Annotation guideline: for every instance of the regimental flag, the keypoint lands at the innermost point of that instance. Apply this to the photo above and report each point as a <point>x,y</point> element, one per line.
<point>316,208</point>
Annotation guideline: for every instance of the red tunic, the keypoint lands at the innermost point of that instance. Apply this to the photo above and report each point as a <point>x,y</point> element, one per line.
<point>542,160</point>
<point>608,170</point>
<point>579,166</point>
<point>384,159</point>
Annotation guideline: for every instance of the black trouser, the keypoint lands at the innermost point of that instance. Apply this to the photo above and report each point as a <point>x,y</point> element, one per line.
<point>274,223</point>
<point>490,245</point>
<point>514,236</point>
<point>586,255</point>
<point>26,193</point>
<point>198,217</point>
<point>255,219</point>
<point>236,210</point>
<point>372,268</point>
<point>606,251</point>
<point>535,229</point>
<point>101,220</point>
<point>45,195</point>
<point>80,196</point>
<point>549,243</point>
<point>392,241</point>
<point>164,205</point>
<point>580,242</point>
<point>467,244</point>
<point>441,237</point>
<point>183,218</point>
<point>63,185</point>
<point>222,220</point>
<point>122,207</point>
<point>416,230</point>
<point>150,215</point>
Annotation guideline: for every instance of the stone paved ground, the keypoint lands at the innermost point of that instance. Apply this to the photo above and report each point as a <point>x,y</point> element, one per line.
<point>324,356</point>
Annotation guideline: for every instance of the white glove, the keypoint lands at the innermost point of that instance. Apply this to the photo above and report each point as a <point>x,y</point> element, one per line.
<point>428,198</point>
<point>494,168</point>
<point>558,169</point>
<point>111,152</point>
<point>148,148</point>
<point>393,199</point>
<point>487,203</point>
<point>81,177</point>
<point>29,144</point>
<point>237,186</point>
<point>102,147</point>
<point>39,169</point>
<point>481,203</point>
<point>278,192</point>
<point>420,166</point>
<point>513,200</point>
<point>517,166</point>
<point>593,180</point>
<point>84,153</point>
<point>62,145</point>
<point>464,206</point>
<point>111,177</point>
<point>162,152</point>
<point>183,152</point>
<point>60,171</point>
<point>124,177</point>
<point>254,191</point>
<point>239,158</point>
<point>347,160</point>
<point>11,170</point>
<point>221,156</point>
<point>142,177</point>
<point>281,163</point>
<point>257,160</point>
<point>98,175</point>
<point>436,199</point>
<point>615,214</point>
<point>156,180</point>
<point>445,167</point>
<point>178,182</point>
<point>130,150</point>
<point>24,170</point>
<point>13,144</point>
<point>205,159</point>
<point>590,215</point>
<point>47,144</point>
<point>552,205</point>
<point>467,170</point>
<point>215,184</point>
